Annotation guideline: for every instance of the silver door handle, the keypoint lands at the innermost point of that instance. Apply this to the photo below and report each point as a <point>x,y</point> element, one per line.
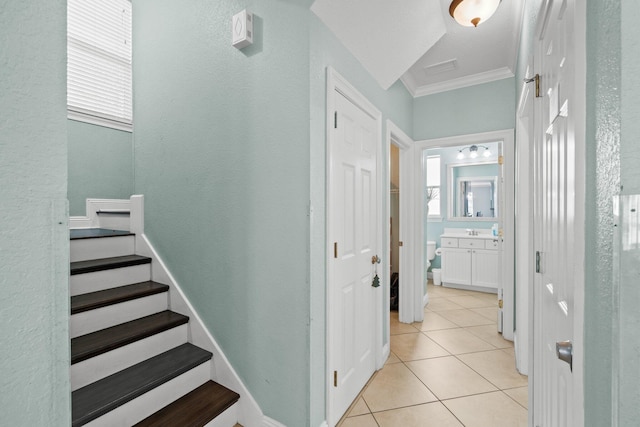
<point>564,351</point>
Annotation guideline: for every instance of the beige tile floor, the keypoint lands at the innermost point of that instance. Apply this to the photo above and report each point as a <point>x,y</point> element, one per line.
<point>452,369</point>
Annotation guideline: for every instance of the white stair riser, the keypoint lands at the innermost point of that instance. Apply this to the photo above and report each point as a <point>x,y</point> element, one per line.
<point>105,317</point>
<point>106,279</point>
<point>96,368</point>
<point>228,418</point>
<point>141,407</point>
<point>105,247</point>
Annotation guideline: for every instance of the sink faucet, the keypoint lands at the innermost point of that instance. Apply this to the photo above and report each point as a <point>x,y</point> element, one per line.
<point>472,232</point>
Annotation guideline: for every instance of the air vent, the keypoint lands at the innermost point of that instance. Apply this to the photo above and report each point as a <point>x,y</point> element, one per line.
<point>441,67</point>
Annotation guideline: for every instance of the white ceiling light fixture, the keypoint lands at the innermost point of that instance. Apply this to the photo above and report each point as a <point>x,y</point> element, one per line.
<point>473,151</point>
<point>471,13</point>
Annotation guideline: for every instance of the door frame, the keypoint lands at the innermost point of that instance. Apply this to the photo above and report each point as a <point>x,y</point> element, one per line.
<point>524,265</point>
<point>406,308</point>
<point>337,83</point>
<point>508,140</point>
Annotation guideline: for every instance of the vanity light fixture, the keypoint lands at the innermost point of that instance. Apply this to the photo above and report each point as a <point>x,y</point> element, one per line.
<point>473,151</point>
<point>471,13</point>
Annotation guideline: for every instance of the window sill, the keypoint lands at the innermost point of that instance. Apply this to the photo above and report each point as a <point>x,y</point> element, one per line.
<point>99,121</point>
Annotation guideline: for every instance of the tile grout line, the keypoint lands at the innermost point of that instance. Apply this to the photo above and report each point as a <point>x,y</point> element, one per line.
<point>449,354</point>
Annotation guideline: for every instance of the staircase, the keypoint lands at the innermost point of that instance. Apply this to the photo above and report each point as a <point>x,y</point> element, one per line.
<point>131,359</point>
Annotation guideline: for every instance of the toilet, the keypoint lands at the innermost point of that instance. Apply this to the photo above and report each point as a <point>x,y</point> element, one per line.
<point>431,252</point>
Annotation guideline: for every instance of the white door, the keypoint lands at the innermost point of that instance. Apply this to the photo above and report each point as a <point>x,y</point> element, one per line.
<point>556,226</point>
<point>353,226</point>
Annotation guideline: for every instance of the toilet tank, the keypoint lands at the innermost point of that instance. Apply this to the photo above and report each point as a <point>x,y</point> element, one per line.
<point>431,249</point>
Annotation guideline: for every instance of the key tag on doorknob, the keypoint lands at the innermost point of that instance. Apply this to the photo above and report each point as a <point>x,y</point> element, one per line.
<point>375,260</point>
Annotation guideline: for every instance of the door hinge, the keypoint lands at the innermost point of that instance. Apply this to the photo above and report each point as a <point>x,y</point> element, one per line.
<point>335,120</point>
<point>401,244</point>
<point>335,249</point>
<point>500,160</point>
<point>535,79</point>
<point>537,261</point>
<point>335,378</point>
<point>500,303</point>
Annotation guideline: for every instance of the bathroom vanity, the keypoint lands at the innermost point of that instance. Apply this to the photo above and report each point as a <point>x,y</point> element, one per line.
<point>471,261</point>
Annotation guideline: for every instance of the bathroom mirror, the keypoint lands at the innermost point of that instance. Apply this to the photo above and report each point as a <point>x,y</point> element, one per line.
<point>473,192</point>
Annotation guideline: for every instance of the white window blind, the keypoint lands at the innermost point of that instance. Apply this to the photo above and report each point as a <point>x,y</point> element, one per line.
<point>99,62</point>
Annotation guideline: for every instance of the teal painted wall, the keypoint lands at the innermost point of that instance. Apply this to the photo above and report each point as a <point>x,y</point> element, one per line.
<point>34,239</point>
<point>603,182</point>
<point>230,154</point>
<point>222,157</point>
<point>395,104</point>
<point>481,108</point>
<point>100,164</point>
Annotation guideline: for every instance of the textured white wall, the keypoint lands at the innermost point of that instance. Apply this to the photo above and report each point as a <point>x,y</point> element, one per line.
<point>34,243</point>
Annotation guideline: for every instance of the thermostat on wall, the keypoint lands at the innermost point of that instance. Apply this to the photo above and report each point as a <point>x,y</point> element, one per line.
<point>242,29</point>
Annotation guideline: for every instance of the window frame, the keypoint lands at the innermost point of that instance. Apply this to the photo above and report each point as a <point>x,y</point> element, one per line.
<point>99,63</point>
<point>434,216</point>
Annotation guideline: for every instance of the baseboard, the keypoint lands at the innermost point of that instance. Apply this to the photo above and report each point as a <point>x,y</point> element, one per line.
<point>107,213</point>
<point>324,424</point>
<point>386,351</point>
<point>249,412</point>
<point>80,222</point>
<point>270,422</point>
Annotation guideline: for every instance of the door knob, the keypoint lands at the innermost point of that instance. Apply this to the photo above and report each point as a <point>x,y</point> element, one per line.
<point>375,259</point>
<point>564,351</point>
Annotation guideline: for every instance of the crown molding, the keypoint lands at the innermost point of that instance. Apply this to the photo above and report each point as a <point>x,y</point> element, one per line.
<point>472,80</point>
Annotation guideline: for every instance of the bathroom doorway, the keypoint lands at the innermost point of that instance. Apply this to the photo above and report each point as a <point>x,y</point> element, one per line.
<point>472,193</point>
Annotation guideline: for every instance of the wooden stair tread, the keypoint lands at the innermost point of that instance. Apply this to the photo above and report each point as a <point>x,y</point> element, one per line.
<point>96,399</point>
<point>194,409</point>
<point>93,300</point>
<point>102,341</point>
<point>93,233</point>
<point>89,266</point>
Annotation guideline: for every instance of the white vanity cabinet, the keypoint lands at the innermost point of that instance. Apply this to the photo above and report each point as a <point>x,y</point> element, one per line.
<point>472,262</point>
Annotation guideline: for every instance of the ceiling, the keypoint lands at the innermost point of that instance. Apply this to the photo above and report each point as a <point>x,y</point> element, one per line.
<point>419,43</point>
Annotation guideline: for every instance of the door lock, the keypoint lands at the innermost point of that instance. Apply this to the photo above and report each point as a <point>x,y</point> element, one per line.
<point>375,259</point>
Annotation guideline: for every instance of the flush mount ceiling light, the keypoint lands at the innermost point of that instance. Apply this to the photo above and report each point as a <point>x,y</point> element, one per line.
<point>471,13</point>
<point>473,151</point>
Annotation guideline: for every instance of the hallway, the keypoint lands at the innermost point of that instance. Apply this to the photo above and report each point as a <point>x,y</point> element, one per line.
<point>453,369</point>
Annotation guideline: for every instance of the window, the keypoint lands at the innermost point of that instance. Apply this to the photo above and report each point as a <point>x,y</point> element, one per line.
<point>99,62</point>
<point>433,186</point>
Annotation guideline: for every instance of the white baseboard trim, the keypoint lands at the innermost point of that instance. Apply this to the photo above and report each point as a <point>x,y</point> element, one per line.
<point>386,351</point>
<point>425,299</point>
<point>112,213</point>
<point>249,412</point>
<point>79,222</point>
<point>324,424</point>
<point>270,422</point>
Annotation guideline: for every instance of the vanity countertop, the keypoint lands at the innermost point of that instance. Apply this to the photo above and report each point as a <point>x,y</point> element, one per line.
<point>468,236</point>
